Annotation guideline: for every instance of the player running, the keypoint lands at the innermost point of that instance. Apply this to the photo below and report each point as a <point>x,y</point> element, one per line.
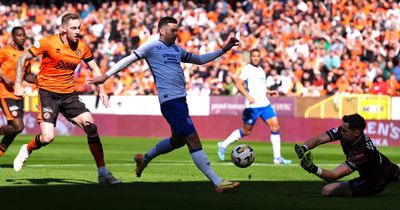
<point>376,171</point>
<point>61,55</point>
<point>164,58</point>
<point>12,105</point>
<point>257,106</point>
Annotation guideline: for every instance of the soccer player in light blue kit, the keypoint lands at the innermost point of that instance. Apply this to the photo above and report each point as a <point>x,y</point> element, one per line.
<point>257,105</point>
<point>164,58</point>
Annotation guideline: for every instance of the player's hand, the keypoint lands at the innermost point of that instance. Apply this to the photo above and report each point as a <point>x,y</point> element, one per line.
<point>300,150</point>
<point>307,163</point>
<point>231,43</point>
<point>104,97</point>
<point>250,99</point>
<point>98,80</point>
<point>18,91</point>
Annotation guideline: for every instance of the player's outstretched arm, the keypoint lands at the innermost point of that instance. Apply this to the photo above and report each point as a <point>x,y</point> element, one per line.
<point>25,56</point>
<point>205,58</point>
<point>328,175</point>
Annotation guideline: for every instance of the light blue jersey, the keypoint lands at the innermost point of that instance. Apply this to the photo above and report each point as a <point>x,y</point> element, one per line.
<point>165,64</point>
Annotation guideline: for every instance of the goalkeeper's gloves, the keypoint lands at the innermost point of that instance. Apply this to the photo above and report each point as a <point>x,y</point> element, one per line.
<point>307,163</point>
<point>300,150</point>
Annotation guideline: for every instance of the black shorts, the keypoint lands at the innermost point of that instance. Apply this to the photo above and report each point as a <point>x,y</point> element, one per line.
<point>362,187</point>
<point>51,104</point>
<point>12,108</point>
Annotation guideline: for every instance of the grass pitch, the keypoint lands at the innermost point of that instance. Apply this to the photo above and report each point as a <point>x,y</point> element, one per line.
<point>63,175</point>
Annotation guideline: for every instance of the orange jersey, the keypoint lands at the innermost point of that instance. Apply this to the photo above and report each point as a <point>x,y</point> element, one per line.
<point>8,62</point>
<point>59,62</point>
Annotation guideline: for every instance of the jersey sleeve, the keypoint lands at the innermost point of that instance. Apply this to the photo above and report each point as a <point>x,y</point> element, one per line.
<point>244,74</point>
<point>87,55</point>
<point>185,55</point>
<point>143,50</point>
<point>335,133</point>
<point>39,47</point>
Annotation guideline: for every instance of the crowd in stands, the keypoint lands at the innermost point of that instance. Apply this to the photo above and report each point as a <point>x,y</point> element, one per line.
<point>309,48</point>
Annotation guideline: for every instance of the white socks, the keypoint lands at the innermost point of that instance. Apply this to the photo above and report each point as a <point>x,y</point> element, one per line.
<point>235,135</point>
<point>276,144</point>
<point>202,162</point>
<point>102,170</point>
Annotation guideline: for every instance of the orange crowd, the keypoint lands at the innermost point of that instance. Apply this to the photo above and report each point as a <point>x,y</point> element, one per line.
<point>309,48</point>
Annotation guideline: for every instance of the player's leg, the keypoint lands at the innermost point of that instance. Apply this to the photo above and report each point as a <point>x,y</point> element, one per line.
<point>86,122</point>
<point>249,118</point>
<point>13,110</point>
<point>200,158</point>
<point>269,116</point>
<point>337,189</point>
<point>10,131</point>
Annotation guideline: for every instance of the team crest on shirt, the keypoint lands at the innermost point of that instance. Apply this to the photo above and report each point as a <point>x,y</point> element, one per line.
<point>158,47</point>
<point>78,52</point>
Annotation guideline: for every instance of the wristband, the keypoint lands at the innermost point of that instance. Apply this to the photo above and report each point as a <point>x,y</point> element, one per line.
<point>319,171</point>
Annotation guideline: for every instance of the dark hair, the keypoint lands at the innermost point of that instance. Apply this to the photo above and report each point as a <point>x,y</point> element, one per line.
<point>69,16</point>
<point>15,29</point>
<point>254,50</point>
<point>165,20</point>
<point>355,121</point>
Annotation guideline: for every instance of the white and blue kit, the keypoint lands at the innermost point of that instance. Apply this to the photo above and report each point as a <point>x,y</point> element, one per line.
<point>165,64</point>
<point>255,80</point>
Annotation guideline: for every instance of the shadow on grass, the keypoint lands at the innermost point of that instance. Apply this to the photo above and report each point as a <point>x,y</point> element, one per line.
<point>75,194</point>
<point>6,166</point>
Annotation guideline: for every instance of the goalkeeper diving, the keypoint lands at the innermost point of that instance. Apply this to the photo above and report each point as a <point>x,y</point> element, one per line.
<point>375,169</point>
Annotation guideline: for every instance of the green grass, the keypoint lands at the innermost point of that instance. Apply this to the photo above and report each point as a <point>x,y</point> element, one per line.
<point>63,176</point>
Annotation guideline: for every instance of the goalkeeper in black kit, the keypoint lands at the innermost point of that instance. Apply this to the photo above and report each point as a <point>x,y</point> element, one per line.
<point>375,169</point>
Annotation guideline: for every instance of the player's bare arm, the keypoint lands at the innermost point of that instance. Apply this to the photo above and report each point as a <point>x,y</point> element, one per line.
<point>29,76</point>
<point>25,56</point>
<point>242,89</point>
<point>96,72</point>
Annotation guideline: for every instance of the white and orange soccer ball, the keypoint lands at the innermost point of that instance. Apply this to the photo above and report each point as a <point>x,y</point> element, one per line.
<point>242,156</point>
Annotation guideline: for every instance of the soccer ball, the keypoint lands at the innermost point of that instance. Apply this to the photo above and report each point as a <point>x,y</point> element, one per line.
<point>242,156</point>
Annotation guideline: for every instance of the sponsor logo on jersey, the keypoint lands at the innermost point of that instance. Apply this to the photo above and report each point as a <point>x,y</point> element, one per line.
<point>64,65</point>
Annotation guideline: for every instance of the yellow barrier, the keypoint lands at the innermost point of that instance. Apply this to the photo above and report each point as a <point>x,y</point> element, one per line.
<point>376,107</point>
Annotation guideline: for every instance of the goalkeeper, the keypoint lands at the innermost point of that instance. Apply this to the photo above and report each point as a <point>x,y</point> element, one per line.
<point>375,170</point>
